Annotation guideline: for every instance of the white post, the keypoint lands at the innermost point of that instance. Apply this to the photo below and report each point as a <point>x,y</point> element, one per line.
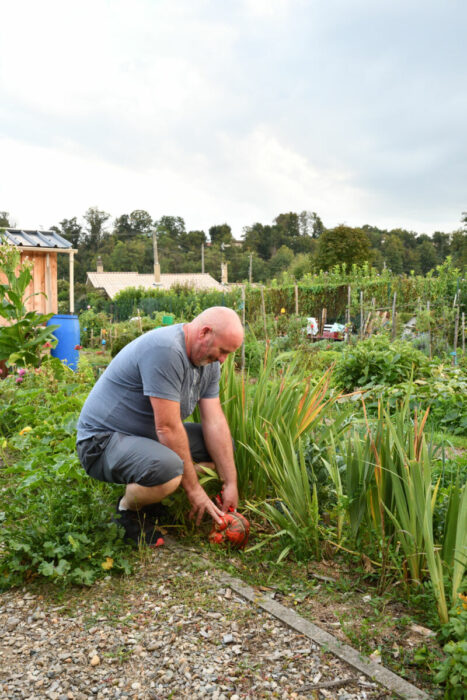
<point>72,283</point>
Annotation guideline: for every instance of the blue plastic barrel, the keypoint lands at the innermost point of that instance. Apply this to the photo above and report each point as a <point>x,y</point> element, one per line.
<point>68,338</point>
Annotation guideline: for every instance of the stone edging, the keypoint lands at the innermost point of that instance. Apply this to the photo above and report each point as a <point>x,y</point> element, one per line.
<point>389,680</point>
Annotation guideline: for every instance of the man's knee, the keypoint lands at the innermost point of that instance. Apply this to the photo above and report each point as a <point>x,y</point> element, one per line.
<point>171,486</point>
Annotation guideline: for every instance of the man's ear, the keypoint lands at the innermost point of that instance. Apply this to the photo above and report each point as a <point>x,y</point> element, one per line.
<point>205,330</point>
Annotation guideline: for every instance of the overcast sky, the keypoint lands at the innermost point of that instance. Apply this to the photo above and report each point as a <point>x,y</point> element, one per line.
<point>235,110</point>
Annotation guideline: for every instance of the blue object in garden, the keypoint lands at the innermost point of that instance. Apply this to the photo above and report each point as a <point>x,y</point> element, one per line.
<point>104,342</point>
<point>67,335</point>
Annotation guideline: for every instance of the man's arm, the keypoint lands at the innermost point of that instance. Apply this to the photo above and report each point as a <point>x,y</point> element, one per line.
<point>218,441</point>
<point>172,434</point>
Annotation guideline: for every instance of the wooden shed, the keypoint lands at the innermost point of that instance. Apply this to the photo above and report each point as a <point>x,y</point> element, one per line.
<point>42,248</point>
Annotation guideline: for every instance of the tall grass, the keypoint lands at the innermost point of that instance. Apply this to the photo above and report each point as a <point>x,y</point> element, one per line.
<point>281,398</point>
<point>386,484</point>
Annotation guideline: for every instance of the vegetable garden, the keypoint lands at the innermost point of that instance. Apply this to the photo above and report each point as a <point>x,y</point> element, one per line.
<point>352,453</point>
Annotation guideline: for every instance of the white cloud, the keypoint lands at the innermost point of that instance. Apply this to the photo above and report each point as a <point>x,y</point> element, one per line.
<point>219,111</point>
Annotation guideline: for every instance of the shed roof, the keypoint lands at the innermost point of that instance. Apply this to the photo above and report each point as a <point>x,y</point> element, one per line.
<point>114,282</point>
<point>34,239</point>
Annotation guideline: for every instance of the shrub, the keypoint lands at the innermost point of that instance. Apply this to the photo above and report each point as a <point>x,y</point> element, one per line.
<point>56,521</point>
<point>378,361</point>
<point>25,333</point>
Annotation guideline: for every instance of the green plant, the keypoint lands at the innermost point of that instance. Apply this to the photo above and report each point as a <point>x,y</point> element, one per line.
<point>293,508</point>
<point>281,391</point>
<point>452,671</point>
<point>378,361</point>
<point>23,338</point>
<point>56,521</point>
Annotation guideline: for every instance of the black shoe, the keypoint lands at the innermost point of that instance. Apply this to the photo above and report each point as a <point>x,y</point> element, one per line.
<point>159,513</point>
<point>139,527</point>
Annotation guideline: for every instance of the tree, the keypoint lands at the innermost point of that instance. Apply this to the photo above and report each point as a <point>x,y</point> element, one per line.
<point>281,260</point>
<point>139,222</point>
<point>427,256</point>
<point>257,238</point>
<point>441,242</point>
<point>459,249</point>
<point>135,255</point>
<point>5,220</point>
<point>221,233</point>
<point>70,230</point>
<point>342,244</point>
<point>95,219</point>
<point>195,239</point>
<point>310,224</point>
<point>393,253</point>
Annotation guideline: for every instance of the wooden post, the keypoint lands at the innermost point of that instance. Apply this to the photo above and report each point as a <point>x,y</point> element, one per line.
<point>48,284</point>
<point>393,331</point>
<point>263,309</point>
<point>296,299</point>
<point>349,292</point>
<point>348,321</point>
<point>157,267</point>
<point>361,313</point>
<point>324,316</point>
<point>463,334</point>
<point>243,322</point>
<point>456,333</point>
<point>429,328</point>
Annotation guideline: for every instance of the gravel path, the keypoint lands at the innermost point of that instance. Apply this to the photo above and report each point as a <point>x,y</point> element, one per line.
<point>172,630</point>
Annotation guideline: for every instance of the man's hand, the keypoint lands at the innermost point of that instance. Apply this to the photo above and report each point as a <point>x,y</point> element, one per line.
<point>229,497</point>
<point>201,503</point>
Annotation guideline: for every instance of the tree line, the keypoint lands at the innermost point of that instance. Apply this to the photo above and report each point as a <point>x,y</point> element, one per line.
<point>294,243</point>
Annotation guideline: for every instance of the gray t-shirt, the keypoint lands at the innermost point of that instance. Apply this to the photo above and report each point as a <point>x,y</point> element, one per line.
<point>155,364</point>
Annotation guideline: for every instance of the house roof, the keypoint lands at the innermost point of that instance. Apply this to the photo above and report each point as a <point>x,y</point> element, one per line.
<point>114,282</point>
<point>34,239</point>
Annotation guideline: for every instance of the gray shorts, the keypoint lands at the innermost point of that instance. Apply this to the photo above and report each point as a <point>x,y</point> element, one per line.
<point>131,459</point>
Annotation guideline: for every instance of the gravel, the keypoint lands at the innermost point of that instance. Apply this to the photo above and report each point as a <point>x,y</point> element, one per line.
<point>172,630</point>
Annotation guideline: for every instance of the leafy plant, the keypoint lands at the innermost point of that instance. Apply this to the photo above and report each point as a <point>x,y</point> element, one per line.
<point>378,361</point>
<point>452,671</point>
<point>293,508</point>
<point>252,408</point>
<point>57,521</point>
<point>24,336</point>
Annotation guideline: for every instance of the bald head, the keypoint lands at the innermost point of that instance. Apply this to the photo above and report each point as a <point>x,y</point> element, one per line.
<point>213,335</point>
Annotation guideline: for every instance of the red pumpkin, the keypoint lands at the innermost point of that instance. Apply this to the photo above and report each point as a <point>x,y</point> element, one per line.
<point>234,530</point>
